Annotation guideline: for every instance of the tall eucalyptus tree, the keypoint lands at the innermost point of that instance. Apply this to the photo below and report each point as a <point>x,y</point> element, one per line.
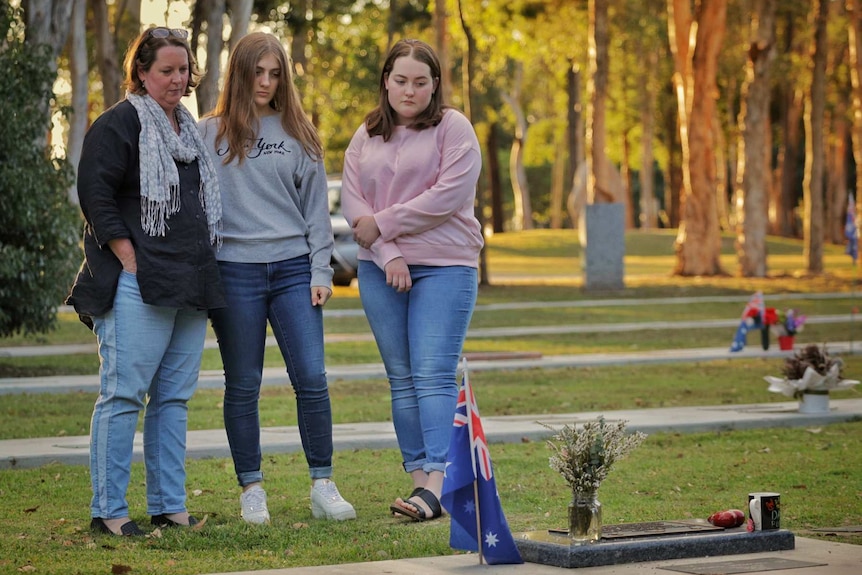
<point>755,159</point>
<point>815,104</point>
<point>696,44</point>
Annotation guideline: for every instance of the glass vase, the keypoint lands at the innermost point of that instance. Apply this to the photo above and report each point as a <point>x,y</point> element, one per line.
<point>585,518</point>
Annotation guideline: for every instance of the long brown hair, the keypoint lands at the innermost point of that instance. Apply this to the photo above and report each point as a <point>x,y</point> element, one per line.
<point>382,119</point>
<point>142,54</point>
<point>235,106</point>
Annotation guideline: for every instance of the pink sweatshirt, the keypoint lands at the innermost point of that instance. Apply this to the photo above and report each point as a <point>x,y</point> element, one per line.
<point>420,186</point>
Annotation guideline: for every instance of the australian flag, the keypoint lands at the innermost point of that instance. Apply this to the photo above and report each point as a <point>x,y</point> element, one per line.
<point>850,231</point>
<point>470,475</point>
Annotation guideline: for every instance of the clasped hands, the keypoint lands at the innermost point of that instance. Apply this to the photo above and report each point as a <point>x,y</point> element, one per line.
<point>365,231</point>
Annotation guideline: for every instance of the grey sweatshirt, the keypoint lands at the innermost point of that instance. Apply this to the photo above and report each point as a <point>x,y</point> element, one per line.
<point>274,205</point>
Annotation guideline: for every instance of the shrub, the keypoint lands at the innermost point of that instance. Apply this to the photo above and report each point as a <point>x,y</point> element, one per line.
<point>38,225</point>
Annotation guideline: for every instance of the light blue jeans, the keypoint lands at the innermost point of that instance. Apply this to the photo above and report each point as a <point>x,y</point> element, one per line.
<point>278,292</point>
<point>420,335</point>
<point>150,359</point>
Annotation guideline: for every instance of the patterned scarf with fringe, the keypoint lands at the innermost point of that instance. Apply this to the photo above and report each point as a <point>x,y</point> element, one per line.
<point>159,145</point>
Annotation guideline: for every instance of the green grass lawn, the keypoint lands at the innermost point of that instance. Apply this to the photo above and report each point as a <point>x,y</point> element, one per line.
<point>671,476</point>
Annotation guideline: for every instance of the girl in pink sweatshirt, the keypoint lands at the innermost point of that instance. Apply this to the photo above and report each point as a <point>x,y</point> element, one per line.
<point>409,185</point>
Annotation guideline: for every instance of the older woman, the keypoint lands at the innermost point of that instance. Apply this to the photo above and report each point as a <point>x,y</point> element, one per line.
<point>150,199</point>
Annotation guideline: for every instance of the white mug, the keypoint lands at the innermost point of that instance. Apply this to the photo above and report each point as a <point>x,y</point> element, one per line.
<point>765,510</point>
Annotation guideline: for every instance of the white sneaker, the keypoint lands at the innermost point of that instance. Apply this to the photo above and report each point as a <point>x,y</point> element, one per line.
<point>327,502</point>
<point>253,502</point>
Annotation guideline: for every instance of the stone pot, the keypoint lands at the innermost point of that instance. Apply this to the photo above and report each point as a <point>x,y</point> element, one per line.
<point>814,402</point>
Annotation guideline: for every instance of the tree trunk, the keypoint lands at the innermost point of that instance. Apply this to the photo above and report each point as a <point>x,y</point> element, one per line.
<point>492,151</point>
<point>47,23</point>
<point>625,176</point>
<point>789,161</point>
<point>558,173</point>
<point>754,170</point>
<point>836,176</point>
<point>78,70</point>
<point>574,135</point>
<point>213,12</point>
<point>240,16</point>
<point>698,243</point>
<point>107,55</point>
<point>598,180</point>
<point>673,189</point>
<point>725,161</point>
<point>441,37</point>
<point>468,74</point>
<point>522,219</point>
<point>815,105</point>
<point>391,24</point>
<point>649,212</point>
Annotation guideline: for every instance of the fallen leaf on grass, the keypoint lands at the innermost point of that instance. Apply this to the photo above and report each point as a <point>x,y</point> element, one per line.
<point>118,569</point>
<point>200,524</point>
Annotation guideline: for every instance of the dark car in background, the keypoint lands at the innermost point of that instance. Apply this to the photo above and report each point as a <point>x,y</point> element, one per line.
<point>345,251</point>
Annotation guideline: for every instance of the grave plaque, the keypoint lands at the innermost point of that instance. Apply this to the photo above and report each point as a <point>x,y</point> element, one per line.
<point>741,566</point>
<point>648,528</point>
<point>648,541</point>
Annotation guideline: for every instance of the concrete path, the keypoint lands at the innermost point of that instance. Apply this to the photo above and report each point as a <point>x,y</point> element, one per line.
<point>809,557</point>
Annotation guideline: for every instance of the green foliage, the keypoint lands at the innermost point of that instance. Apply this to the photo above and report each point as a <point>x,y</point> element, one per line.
<point>585,455</point>
<point>37,223</point>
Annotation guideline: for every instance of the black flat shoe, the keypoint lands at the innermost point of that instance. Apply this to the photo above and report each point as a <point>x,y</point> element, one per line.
<point>163,521</point>
<point>128,529</point>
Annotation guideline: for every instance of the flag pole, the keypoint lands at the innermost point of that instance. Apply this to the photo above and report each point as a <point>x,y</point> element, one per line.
<point>469,399</point>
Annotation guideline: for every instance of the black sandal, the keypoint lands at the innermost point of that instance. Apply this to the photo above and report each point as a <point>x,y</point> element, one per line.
<point>419,515</point>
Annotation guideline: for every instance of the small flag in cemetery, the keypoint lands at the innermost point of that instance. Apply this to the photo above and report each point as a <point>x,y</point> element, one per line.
<point>470,490</point>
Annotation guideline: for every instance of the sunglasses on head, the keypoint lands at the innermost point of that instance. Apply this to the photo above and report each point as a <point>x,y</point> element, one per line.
<point>165,32</point>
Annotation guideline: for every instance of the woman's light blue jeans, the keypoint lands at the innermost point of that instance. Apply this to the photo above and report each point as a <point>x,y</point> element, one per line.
<point>279,292</point>
<point>150,359</point>
<point>420,335</point>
